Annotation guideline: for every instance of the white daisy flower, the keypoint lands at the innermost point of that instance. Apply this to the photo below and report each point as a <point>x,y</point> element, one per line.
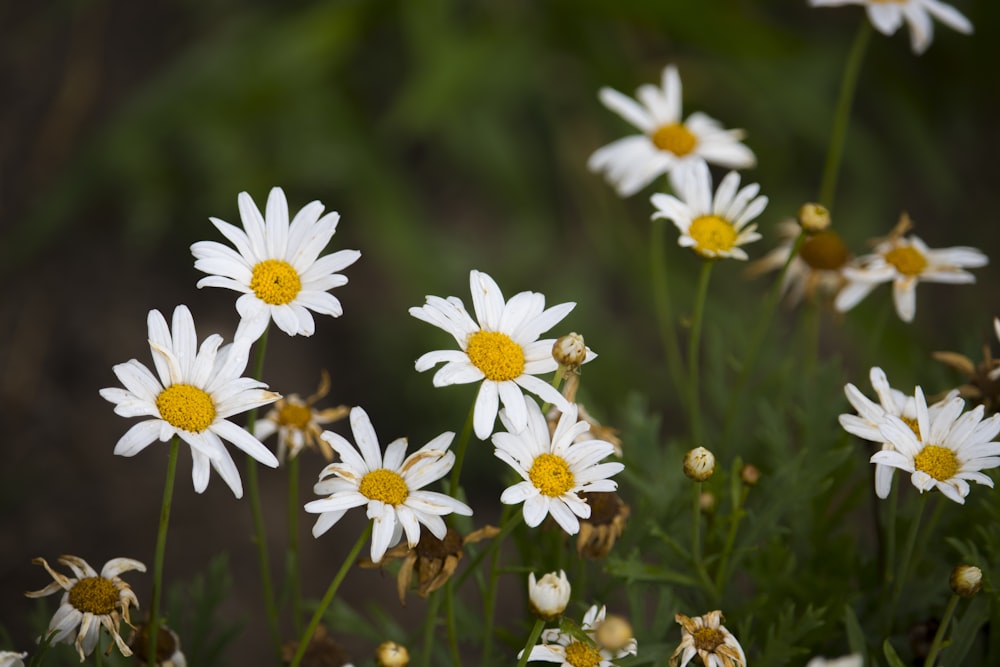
<point>197,389</point>
<point>556,470</point>
<point>667,145</point>
<point>712,227</point>
<point>502,350</point>
<point>390,486</point>
<point>865,424</point>
<point>549,595</point>
<point>817,268</point>
<point>90,601</point>
<point>571,650</point>
<point>275,265</point>
<point>706,637</point>
<point>888,15</point>
<point>906,261</point>
<point>952,447</point>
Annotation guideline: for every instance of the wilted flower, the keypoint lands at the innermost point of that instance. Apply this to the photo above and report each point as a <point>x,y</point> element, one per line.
<point>983,379</point>
<point>816,269</point>
<point>606,523</point>
<point>321,651</point>
<point>706,637</point>
<point>168,646</point>
<point>298,423</point>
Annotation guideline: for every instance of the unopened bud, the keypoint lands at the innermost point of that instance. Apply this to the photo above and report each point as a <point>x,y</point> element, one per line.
<point>750,474</point>
<point>614,633</point>
<point>569,351</point>
<point>814,217</point>
<point>707,502</point>
<point>699,464</point>
<point>966,580</point>
<point>391,654</point>
<point>549,595</point>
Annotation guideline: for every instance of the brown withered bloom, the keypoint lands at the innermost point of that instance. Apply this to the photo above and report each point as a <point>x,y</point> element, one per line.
<point>608,516</point>
<point>982,383</point>
<point>434,560</point>
<point>168,646</point>
<point>322,651</point>
<point>706,637</point>
<point>298,424</point>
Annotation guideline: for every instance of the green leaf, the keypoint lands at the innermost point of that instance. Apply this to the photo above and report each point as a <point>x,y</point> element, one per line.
<point>891,656</point>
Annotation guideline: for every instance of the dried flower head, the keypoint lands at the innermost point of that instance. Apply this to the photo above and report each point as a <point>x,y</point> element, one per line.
<point>706,637</point>
<point>599,532</point>
<point>168,646</point>
<point>322,651</point>
<point>298,424</point>
<point>90,601</point>
<point>982,383</point>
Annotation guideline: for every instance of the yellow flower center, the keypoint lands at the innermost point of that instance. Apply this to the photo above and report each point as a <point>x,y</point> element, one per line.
<point>275,282</point>
<point>913,424</point>
<point>712,235</point>
<point>907,260</point>
<point>95,595</point>
<point>938,462</point>
<point>385,485</point>
<point>824,251</point>
<point>708,639</point>
<point>295,415</point>
<point>186,407</point>
<point>579,654</point>
<point>675,138</point>
<point>496,355</point>
<point>551,475</point>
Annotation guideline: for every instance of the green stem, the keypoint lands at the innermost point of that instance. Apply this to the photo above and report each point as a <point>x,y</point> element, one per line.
<point>507,524</point>
<point>936,647</point>
<point>260,534</point>
<point>449,610</point>
<point>430,620</point>
<point>460,449</point>
<point>98,653</point>
<point>293,543</point>
<point>727,549</point>
<point>328,597</point>
<point>536,631</point>
<point>662,304</point>
<point>842,115</point>
<point>694,368</point>
<point>161,549</point>
<point>907,557</point>
<point>890,539</point>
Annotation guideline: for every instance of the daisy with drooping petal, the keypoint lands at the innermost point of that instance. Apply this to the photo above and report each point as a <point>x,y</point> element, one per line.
<point>952,447</point>
<point>906,260</point>
<point>712,226</point>
<point>865,424</point>
<point>391,486</point>
<point>888,15</point>
<point>197,389</point>
<point>297,422</point>
<point>572,650</point>
<point>816,269</point>
<point>706,637</point>
<point>556,470</point>
<point>90,601</point>
<point>276,265</point>
<point>502,351</point>
<point>667,144</point>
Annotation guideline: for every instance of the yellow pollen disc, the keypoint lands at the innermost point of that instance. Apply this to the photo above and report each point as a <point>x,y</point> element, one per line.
<point>296,416</point>
<point>907,260</point>
<point>275,282</point>
<point>938,462</point>
<point>385,485</point>
<point>579,654</point>
<point>712,235</point>
<point>824,251</point>
<point>675,138</point>
<point>496,355</point>
<point>186,407</point>
<point>913,424</point>
<point>551,475</point>
<point>95,595</point>
<point>708,639</point>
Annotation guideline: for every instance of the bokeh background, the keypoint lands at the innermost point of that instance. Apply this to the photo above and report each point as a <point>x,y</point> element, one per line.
<point>450,135</point>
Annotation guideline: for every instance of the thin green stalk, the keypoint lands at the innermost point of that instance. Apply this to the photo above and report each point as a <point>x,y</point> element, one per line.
<point>98,653</point>
<point>460,448</point>
<point>293,544</point>
<point>842,115</point>
<point>890,530</point>
<point>449,610</point>
<point>430,620</point>
<point>937,645</point>
<point>694,369</point>
<point>907,558</point>
<point>260,534</point>
<point>330,592</point>
<point>530,644</point>
<point>161,549</point>
<point>35,660</point>
<point>663,306</point>
<point>727,549</point>
<point>507,524</point>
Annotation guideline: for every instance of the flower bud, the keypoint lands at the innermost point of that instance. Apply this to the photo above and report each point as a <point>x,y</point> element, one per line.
<point>614,633</point>
<point>966,580</point>
<point>391,654</point>
<point>707,502</point>
<point>814,218</point>
<point>548,596</point>
<point>569,351</point>
<point>699,464</point>
<point>750,474</point>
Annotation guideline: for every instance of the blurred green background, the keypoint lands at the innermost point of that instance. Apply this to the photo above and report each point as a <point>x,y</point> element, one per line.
<point>449,135</point>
